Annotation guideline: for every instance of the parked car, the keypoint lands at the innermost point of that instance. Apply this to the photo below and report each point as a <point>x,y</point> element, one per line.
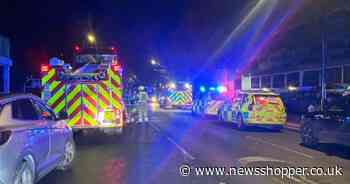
<point>33,140</point>
<point>332,125</point>
<point>254,108</point>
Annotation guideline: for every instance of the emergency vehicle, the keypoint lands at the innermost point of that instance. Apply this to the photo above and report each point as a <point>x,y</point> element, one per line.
<point>254,108</point>
<point>208,100</point>
<point>177,95</point>
<point>211,88</point>
<point>91,94</point>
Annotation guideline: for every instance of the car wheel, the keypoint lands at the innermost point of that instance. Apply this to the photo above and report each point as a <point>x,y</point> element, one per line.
<point>241,125</point>
<point>69,155</point>
<point>24,174</point>
<point>308,137</point>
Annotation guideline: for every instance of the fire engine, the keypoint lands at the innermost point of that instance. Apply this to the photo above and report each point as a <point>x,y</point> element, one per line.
<point>90,96</point>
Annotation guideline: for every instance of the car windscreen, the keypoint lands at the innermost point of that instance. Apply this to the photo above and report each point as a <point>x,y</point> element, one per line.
<point>267,99</point>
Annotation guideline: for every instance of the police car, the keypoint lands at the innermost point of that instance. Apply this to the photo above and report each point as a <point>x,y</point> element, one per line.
<point>254,108</point>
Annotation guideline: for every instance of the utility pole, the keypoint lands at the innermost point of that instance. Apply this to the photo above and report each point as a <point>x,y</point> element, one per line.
<point>323,26</point>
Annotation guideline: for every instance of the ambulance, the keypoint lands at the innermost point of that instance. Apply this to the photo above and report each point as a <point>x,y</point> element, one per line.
<point>254,108</point>
<point>177,95</point>
<point>89,93</point>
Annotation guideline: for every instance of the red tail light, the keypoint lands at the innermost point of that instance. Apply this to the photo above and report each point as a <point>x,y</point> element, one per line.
<point>44,68</point>
<point>118,114</point>
<point>115,67</point>
<point>4,137</point>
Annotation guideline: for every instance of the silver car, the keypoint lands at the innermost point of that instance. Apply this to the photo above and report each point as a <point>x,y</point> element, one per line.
<point>33,140</point>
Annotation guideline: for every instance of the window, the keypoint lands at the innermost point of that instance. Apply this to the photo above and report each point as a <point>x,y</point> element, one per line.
<point>255,82</point>
<point>41,108</point>
<point>293,79</point>
<point>311,78</point>
<point>266,82</point>
<point>278,81</point>
<point>23,109</point>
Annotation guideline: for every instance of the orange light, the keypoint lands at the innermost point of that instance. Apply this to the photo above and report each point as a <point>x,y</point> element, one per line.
<point>44,68</point>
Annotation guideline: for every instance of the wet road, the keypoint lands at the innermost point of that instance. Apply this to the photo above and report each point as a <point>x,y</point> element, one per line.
<point>153,154</point>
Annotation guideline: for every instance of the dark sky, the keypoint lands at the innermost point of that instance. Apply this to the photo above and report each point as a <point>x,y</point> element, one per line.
<point>181,34</point>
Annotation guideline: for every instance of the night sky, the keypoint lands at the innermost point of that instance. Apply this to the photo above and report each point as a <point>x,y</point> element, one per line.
<point>181,34</point>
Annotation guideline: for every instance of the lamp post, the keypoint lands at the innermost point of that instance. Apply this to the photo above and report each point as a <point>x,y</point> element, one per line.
<point>324,55</point>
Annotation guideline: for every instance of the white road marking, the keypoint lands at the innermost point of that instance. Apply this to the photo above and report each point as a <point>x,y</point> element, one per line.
<point>182,150</point>
<point>246,160</point>
<point>279,146</point>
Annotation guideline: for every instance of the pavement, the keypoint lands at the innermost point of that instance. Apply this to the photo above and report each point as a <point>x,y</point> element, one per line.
<point>153,153</point>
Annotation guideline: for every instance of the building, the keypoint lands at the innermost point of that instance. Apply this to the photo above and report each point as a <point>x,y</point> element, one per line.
<point>296,56</point>
<point>5,64</point>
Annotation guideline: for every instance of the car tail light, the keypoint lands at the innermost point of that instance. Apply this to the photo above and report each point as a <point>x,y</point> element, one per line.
<point>117,114</point>
<point>115,67</point>
<point>4,137</point>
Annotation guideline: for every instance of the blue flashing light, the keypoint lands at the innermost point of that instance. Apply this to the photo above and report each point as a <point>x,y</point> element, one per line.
<point>202,89</point>
<point>212,88</point>
<point>222,89</point>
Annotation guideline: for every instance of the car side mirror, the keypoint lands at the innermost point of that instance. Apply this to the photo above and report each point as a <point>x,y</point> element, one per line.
<point>62,116</point>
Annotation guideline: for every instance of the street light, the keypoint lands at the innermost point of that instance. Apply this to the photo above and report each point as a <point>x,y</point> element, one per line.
<point>91,38</point>
<point>153,62</point>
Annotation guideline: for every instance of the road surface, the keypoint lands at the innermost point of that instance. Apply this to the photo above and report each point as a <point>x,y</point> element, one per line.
<point>153,153</point>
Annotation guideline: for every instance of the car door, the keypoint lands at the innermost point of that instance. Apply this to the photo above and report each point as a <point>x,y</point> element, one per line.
<point>56,130</point>
<point>25,114</point>
<point>229,112</point>
<point>247,100</point>
<point>224,110</point>
<point>236,106</point>
<point>344,132</point>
